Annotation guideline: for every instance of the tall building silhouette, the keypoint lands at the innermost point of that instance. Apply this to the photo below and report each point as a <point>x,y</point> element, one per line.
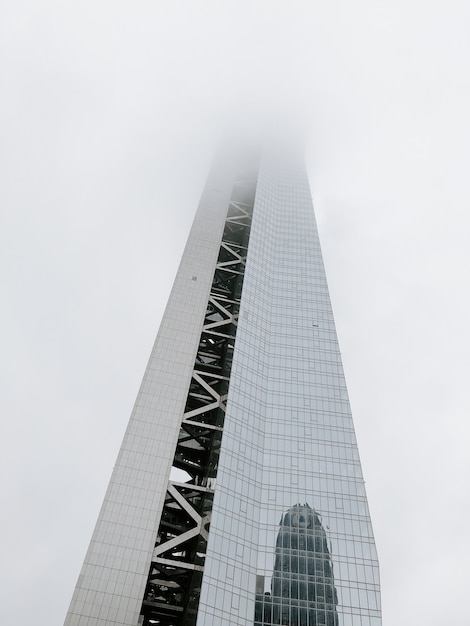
<point>302,587</point>
<point>242,415</point>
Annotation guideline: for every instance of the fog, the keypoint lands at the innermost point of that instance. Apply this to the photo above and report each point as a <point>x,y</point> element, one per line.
<point>111,114</point>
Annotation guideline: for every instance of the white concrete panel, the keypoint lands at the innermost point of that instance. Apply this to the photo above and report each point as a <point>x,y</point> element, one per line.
<point>112,581</point>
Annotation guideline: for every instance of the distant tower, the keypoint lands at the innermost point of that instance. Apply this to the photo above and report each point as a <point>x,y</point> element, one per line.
<point>242,411</point>
<point>303,592</point>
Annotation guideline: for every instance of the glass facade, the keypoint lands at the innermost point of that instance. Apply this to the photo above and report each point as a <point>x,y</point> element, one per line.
<point>237,497</point>
<point>291,540</point>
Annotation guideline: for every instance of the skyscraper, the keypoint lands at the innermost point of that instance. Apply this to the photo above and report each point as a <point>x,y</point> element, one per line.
<point>237,496</point>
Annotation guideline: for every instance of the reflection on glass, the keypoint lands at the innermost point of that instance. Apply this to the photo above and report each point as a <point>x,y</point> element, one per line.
<point>302,587</point>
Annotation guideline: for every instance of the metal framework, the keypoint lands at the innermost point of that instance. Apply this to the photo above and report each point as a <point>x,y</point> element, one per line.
<point>174,581</point>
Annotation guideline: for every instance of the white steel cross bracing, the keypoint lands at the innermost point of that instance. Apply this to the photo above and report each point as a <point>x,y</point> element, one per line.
<point>173,586</point>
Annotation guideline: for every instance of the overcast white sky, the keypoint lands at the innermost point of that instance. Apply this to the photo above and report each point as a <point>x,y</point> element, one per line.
<point>110,114</point>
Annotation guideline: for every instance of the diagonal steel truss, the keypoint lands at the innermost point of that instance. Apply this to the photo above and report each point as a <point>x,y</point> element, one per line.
<point>174,581</point>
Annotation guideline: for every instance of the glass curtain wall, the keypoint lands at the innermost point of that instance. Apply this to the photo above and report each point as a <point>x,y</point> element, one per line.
<point>291,540</point>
